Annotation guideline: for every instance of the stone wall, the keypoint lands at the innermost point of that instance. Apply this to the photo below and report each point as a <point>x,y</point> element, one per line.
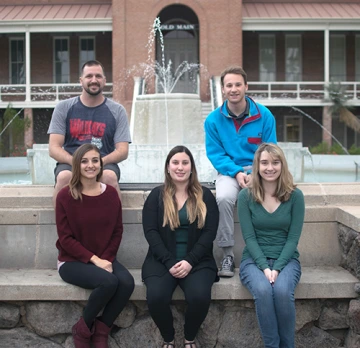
<point>230,324</point>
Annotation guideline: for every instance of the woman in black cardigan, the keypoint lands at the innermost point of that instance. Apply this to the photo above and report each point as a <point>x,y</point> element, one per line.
<point>180,220</point>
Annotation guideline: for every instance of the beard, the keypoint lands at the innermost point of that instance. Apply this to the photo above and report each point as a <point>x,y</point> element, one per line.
<point>93,93</point>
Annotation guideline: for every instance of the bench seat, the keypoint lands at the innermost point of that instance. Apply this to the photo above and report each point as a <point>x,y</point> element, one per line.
<point>46,285</point>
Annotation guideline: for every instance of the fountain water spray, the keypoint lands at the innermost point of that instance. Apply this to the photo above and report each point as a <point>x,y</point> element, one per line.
<point>319,124</point>
<point>1,133</point>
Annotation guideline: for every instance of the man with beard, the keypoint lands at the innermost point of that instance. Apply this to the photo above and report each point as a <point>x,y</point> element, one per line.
<point>89,118</point>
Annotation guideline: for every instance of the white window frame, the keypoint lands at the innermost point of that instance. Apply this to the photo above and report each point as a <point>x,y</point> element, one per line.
<point>12,39</point>
<point>286,121</point>
<point>357,57</point>
<point>342,60</point>
<point>266,76</point>
<point>80,61</point>
<point>291,75</point>
<point>54,56</point>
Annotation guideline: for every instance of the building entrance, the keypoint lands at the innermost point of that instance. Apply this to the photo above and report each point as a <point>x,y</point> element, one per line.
<point>181,48</point>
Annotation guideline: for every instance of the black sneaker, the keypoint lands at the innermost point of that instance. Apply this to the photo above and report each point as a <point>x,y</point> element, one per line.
<point>227,267</point>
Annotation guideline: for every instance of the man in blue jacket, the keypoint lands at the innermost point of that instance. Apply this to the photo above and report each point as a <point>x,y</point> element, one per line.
<point>233,132</point>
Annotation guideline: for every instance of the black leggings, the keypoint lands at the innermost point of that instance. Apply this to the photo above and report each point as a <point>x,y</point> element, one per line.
<point>111,290</point>
<point>197,291</point>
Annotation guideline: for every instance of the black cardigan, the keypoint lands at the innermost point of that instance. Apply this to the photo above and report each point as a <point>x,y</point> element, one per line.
<point>162,241</point>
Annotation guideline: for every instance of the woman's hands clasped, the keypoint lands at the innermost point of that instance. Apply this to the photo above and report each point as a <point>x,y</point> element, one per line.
<point>271,275</point>
<point>101,263</point>
<point>180,269</point>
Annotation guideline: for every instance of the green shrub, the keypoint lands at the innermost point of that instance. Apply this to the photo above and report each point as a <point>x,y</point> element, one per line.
<point>336,149</point>
<point>354,150</point>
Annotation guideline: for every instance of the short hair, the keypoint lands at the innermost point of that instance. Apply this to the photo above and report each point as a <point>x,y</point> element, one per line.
<point>285,182</point>
<point>234,69</point>
<point>92,63</point>
<point>75,181</point>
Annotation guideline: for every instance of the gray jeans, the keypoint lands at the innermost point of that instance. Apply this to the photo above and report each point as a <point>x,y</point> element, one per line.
<point>227,191</point>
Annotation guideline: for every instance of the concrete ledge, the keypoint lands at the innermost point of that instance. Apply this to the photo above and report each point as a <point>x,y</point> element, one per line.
<point>46,285</point>
<point>23,196</point>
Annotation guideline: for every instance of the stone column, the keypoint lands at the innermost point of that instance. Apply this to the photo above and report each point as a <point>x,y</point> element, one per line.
<point>29,132</point>
<point>327,123</point>
<point>118,47</point>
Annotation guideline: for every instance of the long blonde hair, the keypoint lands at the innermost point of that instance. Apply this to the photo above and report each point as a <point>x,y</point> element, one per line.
<point>285,183</point>
<point>75,184</point>
<point>195,206</point>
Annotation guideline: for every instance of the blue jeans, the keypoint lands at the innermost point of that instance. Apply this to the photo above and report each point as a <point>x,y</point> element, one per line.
<point>275,304</point>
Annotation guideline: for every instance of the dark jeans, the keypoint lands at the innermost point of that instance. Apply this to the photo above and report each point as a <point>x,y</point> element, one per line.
<point>111,290</point>
<point>197,291</point>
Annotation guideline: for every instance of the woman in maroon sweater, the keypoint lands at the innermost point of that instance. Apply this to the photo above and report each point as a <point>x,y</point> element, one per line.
<point>89,226</point>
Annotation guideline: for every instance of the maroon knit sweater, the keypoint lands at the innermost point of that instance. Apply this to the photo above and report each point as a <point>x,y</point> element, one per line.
<point>89,227</point>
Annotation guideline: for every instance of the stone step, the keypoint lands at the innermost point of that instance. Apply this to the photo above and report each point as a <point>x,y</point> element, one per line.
<point>206,108</point>
<point>46,285</point>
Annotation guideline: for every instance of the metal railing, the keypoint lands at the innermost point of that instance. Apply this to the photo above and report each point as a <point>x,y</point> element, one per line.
<point>299,91</point>
<point>44,92</point>
<point>305,90</point>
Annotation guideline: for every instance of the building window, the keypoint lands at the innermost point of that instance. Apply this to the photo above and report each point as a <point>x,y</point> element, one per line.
<point>293,57</point>
<point>267,58</point>
<point>87,50</point>
<point>337,57</point>
<point>17,61</point>
<point>357,58</point>
<point>61,60</point>
<point>293,129</point>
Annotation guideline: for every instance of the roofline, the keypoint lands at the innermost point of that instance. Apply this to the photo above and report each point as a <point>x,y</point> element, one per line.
<point>69,25</point>
<point>105,24</point>
<point>305,24</point>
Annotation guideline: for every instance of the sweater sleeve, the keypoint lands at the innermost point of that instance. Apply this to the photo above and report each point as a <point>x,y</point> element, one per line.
<point>66,238</point>
<point>297,221</point>
<point>208,232</point>
<point>114,243</point>
<point>151,225</point>
<point>248,231</point>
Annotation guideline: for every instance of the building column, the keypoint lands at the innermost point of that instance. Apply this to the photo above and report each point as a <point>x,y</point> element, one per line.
<point>27,66</point>
<point>327,123</point>
<point>29,132</point>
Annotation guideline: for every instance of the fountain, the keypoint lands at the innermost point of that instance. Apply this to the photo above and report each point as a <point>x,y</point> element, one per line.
<point>166,118</point>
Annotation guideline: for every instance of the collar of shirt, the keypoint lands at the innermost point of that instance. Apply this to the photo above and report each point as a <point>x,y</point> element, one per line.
<point>242,115</point>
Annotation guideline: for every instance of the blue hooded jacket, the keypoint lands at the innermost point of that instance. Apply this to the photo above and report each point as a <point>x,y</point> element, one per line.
<point>230,148</point>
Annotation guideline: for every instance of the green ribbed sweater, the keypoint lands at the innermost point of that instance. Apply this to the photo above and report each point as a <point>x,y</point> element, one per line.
<point>271,235</point>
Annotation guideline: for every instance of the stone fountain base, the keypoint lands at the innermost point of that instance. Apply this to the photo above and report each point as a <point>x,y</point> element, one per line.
<point>167,119</point>
<point>145,163</point>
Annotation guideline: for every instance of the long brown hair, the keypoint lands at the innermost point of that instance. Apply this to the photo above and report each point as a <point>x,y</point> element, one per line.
<point>285,182</point>
<point>195,206</point>
<point>75,184</point>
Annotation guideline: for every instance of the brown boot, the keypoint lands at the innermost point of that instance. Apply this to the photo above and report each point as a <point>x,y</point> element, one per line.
<point>81,334</point>
<point>101,335</point>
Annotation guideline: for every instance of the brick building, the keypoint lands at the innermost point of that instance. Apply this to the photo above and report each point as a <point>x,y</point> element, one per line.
<point>291,52</point>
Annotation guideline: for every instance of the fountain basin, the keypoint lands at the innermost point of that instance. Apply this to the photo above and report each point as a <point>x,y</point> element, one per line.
<point>167,119</point>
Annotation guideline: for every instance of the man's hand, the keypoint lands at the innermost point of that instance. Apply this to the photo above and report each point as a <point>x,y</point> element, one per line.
<point>244,180</point>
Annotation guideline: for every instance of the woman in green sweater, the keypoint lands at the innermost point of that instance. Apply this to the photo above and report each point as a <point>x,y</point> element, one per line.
<point>271,215</point>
